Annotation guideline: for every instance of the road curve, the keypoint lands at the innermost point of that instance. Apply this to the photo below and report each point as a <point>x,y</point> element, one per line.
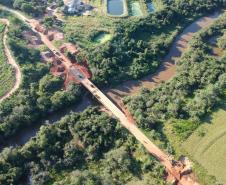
<point>12,62</point>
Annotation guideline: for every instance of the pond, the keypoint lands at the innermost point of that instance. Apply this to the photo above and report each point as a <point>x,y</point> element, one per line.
<point>135,9</point>
<point>102,38</point>
<point>115,7</point>
<point>151,7</point>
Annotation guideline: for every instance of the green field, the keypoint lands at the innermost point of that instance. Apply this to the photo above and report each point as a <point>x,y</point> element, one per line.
<point>81,29</point>
<point>207,145</point>
<point>6,72</point>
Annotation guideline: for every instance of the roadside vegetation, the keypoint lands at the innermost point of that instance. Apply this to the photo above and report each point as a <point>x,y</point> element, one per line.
<point>7,77</point>
<point>138,45</point>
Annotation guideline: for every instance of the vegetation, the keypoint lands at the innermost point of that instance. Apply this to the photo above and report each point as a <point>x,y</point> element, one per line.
<point>85,148</point>
<point>193,92</point>
<point>40,92</point>
<point>90,147</point>
<point>183,102</point>
<point>90,27</point>
<point>138,45</point>
<point>221,42</point>
<point>206,144</point>
<point>7,78</point>
<point>31,7</point>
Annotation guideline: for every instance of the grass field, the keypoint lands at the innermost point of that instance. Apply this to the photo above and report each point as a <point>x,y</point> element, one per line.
<point>207,145</point>
<point>6,72</point>
<point>80,29</point>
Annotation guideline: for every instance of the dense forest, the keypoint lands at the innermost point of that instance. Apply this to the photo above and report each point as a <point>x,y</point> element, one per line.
<point>86,148</point>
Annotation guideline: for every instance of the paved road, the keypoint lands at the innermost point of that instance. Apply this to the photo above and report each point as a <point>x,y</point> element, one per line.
<point>151,147</point>
<point>12,62</point>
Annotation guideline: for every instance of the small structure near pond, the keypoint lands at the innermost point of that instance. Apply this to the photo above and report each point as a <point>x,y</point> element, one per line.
<point>76,7</point>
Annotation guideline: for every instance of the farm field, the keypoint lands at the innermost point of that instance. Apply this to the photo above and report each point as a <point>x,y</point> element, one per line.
<point>207,144</point>
<point>6,72</point>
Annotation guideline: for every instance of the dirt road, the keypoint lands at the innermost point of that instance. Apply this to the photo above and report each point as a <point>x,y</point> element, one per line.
<point>12,62</point>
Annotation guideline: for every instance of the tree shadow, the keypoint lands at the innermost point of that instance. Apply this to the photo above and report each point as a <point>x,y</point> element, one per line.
<point>208,118</point>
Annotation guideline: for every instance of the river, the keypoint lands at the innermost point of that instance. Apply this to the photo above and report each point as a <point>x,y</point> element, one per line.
<point>168,68</point>
<point>165,72</point>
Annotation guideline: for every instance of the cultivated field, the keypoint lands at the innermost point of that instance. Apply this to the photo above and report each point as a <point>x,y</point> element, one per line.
<point>207,145</point>
<point>7,78</point>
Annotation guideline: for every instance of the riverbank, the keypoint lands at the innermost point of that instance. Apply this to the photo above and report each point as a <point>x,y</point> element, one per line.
<point>168,68</point>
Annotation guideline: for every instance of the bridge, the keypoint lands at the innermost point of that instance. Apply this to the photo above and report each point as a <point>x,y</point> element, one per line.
<point>164,159</point>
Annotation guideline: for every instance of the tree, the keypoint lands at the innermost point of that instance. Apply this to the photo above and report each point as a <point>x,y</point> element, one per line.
<point>49,84</point>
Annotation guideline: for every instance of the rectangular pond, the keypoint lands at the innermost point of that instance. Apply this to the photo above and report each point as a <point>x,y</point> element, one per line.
<point>115,7</point>
<point>135,9</point>
<point>151,7</point>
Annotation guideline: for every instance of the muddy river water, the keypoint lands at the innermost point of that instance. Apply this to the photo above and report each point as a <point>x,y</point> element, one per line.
<point>165,72</point>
